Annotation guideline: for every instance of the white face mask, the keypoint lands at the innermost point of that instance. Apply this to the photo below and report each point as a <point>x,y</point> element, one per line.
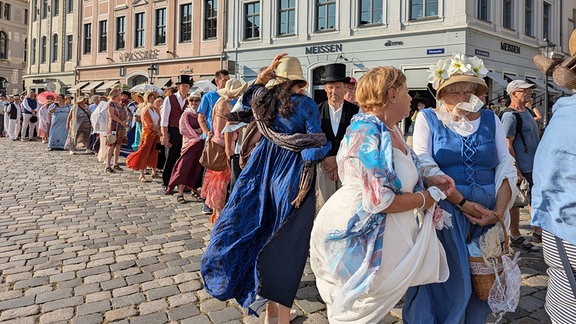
<point>473,105</point>
<point>457,117</point>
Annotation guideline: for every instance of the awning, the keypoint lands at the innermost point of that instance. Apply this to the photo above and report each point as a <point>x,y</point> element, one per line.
<point>78,86</point>
<point>92,86</point>
<point>416,79</point>
<point>163,82</point>
<point>541,85</point>
<point>107,85</point>
<point>497,79</point>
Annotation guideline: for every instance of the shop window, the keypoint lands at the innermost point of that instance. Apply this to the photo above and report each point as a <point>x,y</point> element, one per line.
<point>370,12</point>
<point>423,8</point>
<point>252,20</point>
<point>286,17</point>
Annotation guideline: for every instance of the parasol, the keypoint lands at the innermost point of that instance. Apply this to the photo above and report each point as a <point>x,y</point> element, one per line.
<point>205,85</point>
<point>41,98</point>
<point>144,87</point>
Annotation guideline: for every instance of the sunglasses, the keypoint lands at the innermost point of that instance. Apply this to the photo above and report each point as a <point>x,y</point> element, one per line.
<point>194,100</point>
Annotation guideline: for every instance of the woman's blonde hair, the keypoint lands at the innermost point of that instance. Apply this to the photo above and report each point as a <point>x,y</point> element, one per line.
<point>114,93</point>
<point>148,94</point>
<point>372,88</point>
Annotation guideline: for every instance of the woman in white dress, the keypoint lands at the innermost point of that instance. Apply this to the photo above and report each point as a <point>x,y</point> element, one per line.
<point>367,246</point>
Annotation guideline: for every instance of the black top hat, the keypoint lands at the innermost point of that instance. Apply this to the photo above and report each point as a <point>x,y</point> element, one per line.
<point>184,79</point>
<point>335,72</point>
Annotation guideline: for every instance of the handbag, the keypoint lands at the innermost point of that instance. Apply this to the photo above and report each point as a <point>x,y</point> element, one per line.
<point>110,139</point>
<point>213,156</point>
<point>523,198</point>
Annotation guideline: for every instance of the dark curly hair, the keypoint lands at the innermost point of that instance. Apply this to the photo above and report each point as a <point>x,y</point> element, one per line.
<point>277,98</point>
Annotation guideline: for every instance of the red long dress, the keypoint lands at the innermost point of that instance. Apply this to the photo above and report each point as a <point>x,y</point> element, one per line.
<point>147,154</point>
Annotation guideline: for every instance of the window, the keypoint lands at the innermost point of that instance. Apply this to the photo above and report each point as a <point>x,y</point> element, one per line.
<point>186,23</point>
<point>139,27</point>
<point>6,11</point>
<point>423,8</point>
<point>528,18</point>
<point>69,40</point>
<point>370,12</point>
<point>160,38</point>
<point>34,8</point>
<point>33,52</point>
<point>484,10</point>
<point>325,15</point>
<point>210,15</point>
<point>54,51</point>
<point>546,21</point>
<point>3,45</point>
<point>55,8</point>
<point>44,8</point>
<point>69,6</point>
<point>43,50</point>
<point>103,37</point>
<point>25,49</point>
<point>120,32</point>
<point>287,17</point>
<point>507,14</point>
<point>87,38</point>
<point>252,20</point>
<point>26,13</point>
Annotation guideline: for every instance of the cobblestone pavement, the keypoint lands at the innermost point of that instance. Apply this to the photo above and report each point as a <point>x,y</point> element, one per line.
<point>78,245</point>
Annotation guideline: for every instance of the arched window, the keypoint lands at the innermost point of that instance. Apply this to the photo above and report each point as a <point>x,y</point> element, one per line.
<point>54,52</point>
<point>139,80</point>
<point>33,52</point>
<point>43,50</point>
<point>3,45</point>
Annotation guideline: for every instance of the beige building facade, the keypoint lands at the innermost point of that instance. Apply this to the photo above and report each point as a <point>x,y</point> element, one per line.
<point>13,40</point>
<point>52,46</point>
<point>129,41</point>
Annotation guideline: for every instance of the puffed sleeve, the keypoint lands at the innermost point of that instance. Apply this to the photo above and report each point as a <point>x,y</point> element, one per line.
<point>312,116</point>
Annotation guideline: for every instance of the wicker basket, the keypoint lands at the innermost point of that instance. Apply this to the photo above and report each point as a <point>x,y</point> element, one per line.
<point>483,276</point>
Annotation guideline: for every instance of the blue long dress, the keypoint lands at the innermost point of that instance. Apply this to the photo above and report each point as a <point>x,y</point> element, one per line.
<point>58,132</point>
<point>471,161</point>
<point>260,242</point>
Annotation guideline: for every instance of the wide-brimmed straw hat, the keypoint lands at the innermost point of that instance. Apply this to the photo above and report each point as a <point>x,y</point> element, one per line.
<point>233,88</point>
<point>563,72</point>
<point>289,68</point>
<point>459,68</point>
<point>79,99</point>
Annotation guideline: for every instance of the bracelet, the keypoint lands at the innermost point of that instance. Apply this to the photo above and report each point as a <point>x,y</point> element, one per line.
<point>423,199</point>
<point>462,202</point>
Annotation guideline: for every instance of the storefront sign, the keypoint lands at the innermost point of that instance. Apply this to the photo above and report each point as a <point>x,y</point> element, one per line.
<point>319,49</point>
<point>432,51</point>
<point>482,52</point>
<point>139,55</point>
<point>510,48</point>
<point>393,43</point>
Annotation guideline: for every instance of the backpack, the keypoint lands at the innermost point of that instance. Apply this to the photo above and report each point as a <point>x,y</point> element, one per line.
<point>519,124</point>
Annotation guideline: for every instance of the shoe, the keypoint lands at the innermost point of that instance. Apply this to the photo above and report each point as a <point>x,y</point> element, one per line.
<point>72,152</point>
<point>117,167</point>
<point>156,176</point>
<point>143,179</point>
<point>522,242</point>
<point>195,196</point>
<point>109,169</point>
<point>180,199</point>
<point>206,210</point>
<point>536,237</point>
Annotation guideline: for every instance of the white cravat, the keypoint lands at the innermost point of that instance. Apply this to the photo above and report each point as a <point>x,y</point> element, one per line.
<point>335,117</point>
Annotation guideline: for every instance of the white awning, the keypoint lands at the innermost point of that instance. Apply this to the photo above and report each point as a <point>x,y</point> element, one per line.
<point>498,79</point>
<point>541,85</point>
<point>107,85</point>
<point>92,86</point>
<point>163,82</point>
<point>78,86</point>
<point>416,79</point>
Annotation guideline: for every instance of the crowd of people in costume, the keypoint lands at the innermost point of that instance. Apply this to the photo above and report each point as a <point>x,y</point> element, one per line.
<point>337,182</point>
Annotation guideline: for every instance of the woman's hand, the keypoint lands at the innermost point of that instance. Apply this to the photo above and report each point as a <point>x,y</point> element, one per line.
<point>443,182</point>
<point>268,73</point>
<point>478,214</point>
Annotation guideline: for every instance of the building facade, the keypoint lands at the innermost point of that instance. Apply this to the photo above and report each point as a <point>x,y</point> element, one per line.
<point>13,44</point>
<point>408,34</point>
<point>129,41</point>
<point>52,47</point>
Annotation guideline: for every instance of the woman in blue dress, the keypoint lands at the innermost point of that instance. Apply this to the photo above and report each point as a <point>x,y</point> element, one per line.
<point>468,144</point>
<point>260,242</point>
<point>58,131</point>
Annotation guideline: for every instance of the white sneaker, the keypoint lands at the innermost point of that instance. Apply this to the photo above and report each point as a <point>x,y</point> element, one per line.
<point>72,152</point>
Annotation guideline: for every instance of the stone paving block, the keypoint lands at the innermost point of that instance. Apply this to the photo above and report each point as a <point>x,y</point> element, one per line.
<point>530,303</point>
<point>225,315</point>
<point>73,283</point>
<point>122,265</point>
<point>152,306</point>
<point>139,278</point>
<point>113,284</point>
<point>100,306</point>
<point>128,300</point>
<point>125,291</point>
<point>126,257</point>
<point>88,319</point>
<point>158,317</point>
<point>97,296</point>
<point>182,299</point>
<point>157,283</point>
<point>18,277</point>
<point>11,294</point>
<point>120,313</point>
<point>55,316</point>
<point>54,295</point>
<point>97,278</point>
<point>16,302</point>
<point>62,303</point>
<point>162,292</point>
<point>310,306</point>
<point>16,270</point>
<point>168,272</point>
<point>188,286</point>
<point>93,271</point>
<point>86,289</point>
<point>19,312</point>
<point>38,290</point>
<point>183,312</point>
<point>212,305</point>
<point>200,319</point>
<point>74,267</point>
<point>21,320</point>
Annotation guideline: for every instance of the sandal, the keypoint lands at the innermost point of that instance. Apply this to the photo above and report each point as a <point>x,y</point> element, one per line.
<point>180,199</point>
<point>156,176</point>
<point>143,179</point>
<point>195,196</point>
<point>109,169</point>
<point>117,167</point>
<point>522,242</point>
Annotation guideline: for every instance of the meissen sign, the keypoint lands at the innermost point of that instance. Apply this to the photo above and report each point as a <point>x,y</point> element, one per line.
<point>139,55</point>
<point>319,49</point>
<point>510,48</point>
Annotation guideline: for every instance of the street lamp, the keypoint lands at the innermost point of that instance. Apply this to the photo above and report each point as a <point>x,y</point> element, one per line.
<point>546,50</point>
<point>5,85</point>
<point>151,72</point>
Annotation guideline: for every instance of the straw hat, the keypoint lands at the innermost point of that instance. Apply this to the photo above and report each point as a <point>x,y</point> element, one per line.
<point>233,88</point>
<point>289,68</point>
<point>482,88</point>
<point>563,73</point>
<point>79,99</point>
<point>195,94</point>
<point>459,68</point>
